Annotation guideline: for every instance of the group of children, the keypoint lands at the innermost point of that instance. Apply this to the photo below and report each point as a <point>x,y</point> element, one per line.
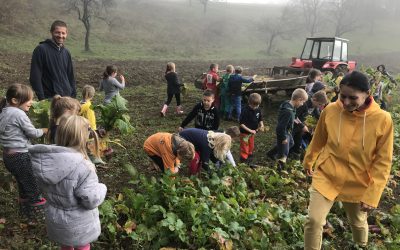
<point>209,141</point>
<point>223,95</point>
<point>62,171</point>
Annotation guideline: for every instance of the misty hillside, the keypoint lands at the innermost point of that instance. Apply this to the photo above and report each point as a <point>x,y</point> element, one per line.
<point>167,29</point>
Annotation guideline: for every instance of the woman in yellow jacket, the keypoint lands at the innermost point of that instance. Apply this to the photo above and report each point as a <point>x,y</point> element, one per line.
<point>351,154</point>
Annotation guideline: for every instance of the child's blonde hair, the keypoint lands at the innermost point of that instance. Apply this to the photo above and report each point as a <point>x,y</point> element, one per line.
<point>255,99</point>
<point>170,67</point>
<point>229,68</point>
<point>73,132</point>
<point>88,92</point>
<point>185,151</point>
<point>20,92</point>
<point>61,105</point>
<point>299,94</point>
<point>220,143</point>
<point>320,97</point>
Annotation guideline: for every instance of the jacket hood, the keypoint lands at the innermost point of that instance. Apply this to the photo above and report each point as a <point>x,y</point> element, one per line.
<point>286,105</point>
<point>51,163</point>
<point>52,44</point>
<point>372,108</point>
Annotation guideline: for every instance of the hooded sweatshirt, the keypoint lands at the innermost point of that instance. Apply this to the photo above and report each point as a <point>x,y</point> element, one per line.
<point>204,119</point>
<point>164,145</point>
<point>286,117</point>
<point>352,153</point>
<point>52,71</point>
<point>73,193</point>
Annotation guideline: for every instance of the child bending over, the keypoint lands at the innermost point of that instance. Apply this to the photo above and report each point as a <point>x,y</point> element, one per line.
<point>168,150</point>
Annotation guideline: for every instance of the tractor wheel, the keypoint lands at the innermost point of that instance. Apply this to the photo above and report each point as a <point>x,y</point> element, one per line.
<point>341,68</point>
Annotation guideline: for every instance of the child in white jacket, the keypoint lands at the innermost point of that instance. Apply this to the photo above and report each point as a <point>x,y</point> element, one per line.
<point>70,183</point>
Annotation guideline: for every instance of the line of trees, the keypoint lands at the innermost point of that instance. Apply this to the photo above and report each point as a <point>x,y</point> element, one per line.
<point>334,17</point>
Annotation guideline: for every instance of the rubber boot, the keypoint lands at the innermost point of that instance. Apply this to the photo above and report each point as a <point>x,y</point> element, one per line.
<point>164,110</point>
<point>179,110</point>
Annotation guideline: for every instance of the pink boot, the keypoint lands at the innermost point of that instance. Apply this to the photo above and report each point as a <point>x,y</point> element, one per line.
<point>164,110</point>
<point>179,110</point>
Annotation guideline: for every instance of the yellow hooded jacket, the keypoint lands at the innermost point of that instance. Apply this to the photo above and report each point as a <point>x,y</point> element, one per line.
<point>352,153</point>
<point>88,113</point>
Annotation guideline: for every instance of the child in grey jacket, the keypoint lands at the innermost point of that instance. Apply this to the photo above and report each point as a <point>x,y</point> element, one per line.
<point>70,183</point>
<point>110,84</point>
<point>15,131</point>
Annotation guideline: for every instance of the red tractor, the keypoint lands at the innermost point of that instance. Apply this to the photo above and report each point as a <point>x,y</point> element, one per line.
<point>325,54</point>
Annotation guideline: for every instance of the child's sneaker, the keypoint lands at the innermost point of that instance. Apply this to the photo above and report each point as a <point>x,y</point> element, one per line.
<point>281,163</point>
<point>243,160</point>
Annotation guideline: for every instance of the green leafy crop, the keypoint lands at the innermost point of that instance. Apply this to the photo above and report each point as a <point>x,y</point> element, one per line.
<point>114,115</point>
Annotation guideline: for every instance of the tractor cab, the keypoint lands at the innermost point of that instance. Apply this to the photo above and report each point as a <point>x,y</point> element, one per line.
<point>326,54</point>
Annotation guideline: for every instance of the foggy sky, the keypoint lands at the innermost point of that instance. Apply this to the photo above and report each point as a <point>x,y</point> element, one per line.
<point>258,1</point>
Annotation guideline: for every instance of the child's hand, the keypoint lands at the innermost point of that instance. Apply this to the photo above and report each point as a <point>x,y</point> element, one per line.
<point>122,78</point>
<point>176,170</point>
<point>261,129</point>
<point>285,141</point>
<point>253,131</point>
<point>45,130</point>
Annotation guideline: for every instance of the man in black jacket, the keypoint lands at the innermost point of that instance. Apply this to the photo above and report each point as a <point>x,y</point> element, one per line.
<point>51,68</point>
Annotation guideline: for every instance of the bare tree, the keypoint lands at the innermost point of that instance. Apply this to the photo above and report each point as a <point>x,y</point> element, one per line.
<point>345,15</point>
<point>204,3</point>
<point>282,27</point>
<point>312,14</point>
<point>87,10</point>
<point>371,11</point>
